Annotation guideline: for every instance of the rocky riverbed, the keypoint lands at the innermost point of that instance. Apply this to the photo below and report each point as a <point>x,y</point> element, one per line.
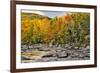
<point>44,53</point>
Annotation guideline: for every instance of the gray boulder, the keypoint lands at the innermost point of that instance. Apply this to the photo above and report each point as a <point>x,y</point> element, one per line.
<point>62,54</point>
<point>24,47</point>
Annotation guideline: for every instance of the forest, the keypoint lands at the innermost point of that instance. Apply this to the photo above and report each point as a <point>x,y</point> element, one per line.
<point>70,29</point>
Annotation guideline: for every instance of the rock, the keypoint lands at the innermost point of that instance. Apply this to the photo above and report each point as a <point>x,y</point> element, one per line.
<point>87,54</point>
<point>81,55</point>
<point>69,47</point>
<point>28,50</point>
<point>83,45</point>
<point>50,45</point>
<point>73,55</point>
<point>80,51</point>
<point>24,47</point>
<point>88,47</point>
<point>44,49</point>
<point>76,47</point>
<point>88,50</point>
<point>24,58</point>
<point>28,61</point>
<point>47,59</point>
<point>62,54</point>
<point>76,58</point>
<point>52,59</point>
<point>61,59</point>
<point>58,47</point>
<point>37,46</point>
<point>42,60</point>
<point>66,46</point>
<point>31,47</point>
<point>58,50</point>
<point>23,50</point>
<point>54,55</point>
<point>48,55</point>
<point>86,58</point>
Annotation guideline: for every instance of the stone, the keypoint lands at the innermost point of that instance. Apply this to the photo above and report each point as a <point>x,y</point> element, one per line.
<point>66,46</point>
<point>42,60</point>
<point>80,50</point>
<point>54,55</point>
<point>58,50</point>
<point>31,47</point>
<point>44,49</point>
<point>76,47</point>
<point>88,47</point>
<point>28,50</point>
<point>62,54</point>
<point>81,55</point>
<point>24,58</point>
<point>69,47</point>
<point>61,59</point>
<point>52,59</point>
<point>48,55</point>
<point>36,46</point>
<point>47,59</point>
<point>24,47</point>
<point>23,50</point>
<point>50,45</point>
<point>86,58</point>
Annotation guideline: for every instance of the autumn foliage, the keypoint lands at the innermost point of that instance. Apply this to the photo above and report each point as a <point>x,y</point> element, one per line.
<point>72,28</point>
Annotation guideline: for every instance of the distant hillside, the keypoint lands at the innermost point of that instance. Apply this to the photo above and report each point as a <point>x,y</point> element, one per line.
<point>32,16</point>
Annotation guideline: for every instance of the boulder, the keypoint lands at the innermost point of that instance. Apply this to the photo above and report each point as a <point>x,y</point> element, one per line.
<point>62,54</point>
<point>66,46</point>
<point>44,49</point>
<point>24,47</point>
<point>48,55</point>
<point>31,47</point>
<point>47,59</point>
<point>76,47</point>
